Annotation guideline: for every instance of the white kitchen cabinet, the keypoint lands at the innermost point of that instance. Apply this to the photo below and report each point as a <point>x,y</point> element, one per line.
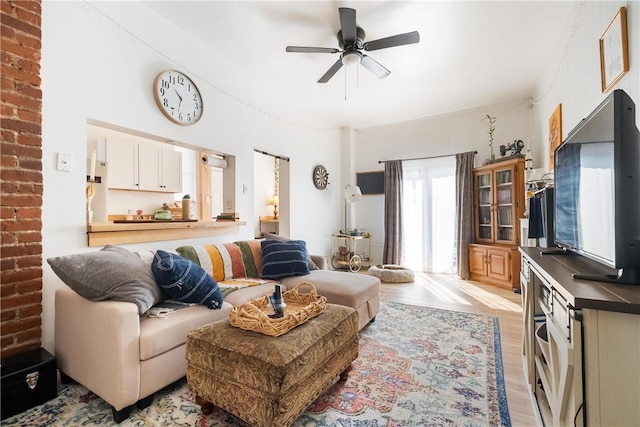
<point>122,164</point>
<point>144,166</point>
<point>160,169</point>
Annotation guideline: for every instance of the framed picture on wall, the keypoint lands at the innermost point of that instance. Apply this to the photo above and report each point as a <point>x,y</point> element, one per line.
<point>555,133</point>
<point>614,55</point>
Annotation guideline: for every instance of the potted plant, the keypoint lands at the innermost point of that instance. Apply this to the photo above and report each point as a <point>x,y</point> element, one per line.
<point>492,129</point>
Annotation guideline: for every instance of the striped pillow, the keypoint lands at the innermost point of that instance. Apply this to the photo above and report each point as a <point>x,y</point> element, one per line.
<point>251,257</point>
<point>282,259</point>
<point>205,256</point>
<point>228,260</point>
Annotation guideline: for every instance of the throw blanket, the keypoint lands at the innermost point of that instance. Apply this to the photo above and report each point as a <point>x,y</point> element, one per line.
<point>163,309</point>
<point>231,285</point>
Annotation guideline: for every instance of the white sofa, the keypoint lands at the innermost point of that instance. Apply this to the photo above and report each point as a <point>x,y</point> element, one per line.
<point>124,357</point>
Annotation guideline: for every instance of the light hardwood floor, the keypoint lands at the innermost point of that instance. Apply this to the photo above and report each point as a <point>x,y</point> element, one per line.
<point>448,292</point>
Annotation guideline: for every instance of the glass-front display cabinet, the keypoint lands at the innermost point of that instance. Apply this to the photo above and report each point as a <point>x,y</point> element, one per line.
<point>499,205</point>
<point>499,202</point>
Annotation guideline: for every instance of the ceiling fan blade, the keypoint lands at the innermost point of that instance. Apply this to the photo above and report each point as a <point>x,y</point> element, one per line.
<point>348,24</point>
<point>303,49</point>
<point>374,66</point>
<point>392,41</point>
<point>334,69</point>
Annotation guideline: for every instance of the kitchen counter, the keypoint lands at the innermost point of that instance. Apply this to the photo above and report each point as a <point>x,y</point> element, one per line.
<point>117,233</point>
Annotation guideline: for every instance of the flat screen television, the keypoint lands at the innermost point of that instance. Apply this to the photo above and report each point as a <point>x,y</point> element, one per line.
<point>597,190</point>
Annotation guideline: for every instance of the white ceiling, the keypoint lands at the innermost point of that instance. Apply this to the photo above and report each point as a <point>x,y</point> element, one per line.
<point>470,54</point>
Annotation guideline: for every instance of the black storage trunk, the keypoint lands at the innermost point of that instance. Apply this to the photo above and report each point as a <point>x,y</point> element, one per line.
<point>28,379</point>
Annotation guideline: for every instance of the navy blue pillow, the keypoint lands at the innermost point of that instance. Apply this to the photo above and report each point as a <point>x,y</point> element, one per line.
<point>185,281</point>
<point>284,258</point>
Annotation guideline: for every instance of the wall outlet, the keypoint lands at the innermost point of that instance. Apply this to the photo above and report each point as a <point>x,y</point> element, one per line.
<point>65,162</point>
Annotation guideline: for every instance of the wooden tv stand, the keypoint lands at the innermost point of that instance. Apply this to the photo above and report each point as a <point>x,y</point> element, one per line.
<point>581,342</point>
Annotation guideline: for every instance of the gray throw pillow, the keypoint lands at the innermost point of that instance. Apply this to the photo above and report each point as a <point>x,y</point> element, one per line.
<point>272,236</point>
<point>112,273</point>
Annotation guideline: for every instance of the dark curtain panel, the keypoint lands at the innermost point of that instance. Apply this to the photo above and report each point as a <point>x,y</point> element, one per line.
<point>464,210</point>
<point>392,251</point>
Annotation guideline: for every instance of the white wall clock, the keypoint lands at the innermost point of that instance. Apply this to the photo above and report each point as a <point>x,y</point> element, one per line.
<point>178,97</point>
<point>320,177</point>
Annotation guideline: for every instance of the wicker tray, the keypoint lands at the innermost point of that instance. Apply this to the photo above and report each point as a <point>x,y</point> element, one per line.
<point>254,315</point>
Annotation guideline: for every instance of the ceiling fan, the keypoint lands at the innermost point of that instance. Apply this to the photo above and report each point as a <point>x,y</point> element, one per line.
<point>351,42</point>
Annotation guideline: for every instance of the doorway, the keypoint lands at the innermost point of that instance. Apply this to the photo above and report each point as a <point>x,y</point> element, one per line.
<point>271,194</point>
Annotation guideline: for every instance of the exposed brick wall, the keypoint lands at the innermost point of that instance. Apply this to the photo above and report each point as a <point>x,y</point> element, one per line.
<point>20,177</point>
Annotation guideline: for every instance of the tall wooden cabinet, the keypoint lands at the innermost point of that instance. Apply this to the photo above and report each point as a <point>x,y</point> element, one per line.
<point>499,204</point>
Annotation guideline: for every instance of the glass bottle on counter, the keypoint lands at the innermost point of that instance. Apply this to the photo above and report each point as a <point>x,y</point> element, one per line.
<point>186,207</point>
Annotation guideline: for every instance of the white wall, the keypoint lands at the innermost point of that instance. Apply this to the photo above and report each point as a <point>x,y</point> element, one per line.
<point>574,79</point>
<point>435,136</point>
<point>100,65</point>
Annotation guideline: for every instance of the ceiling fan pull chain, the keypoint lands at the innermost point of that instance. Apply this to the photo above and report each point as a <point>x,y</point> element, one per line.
<point>345,83</point>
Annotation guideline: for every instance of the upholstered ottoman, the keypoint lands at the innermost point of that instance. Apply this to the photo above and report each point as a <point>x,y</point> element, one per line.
<point>269,381</point>
<point>359,291</point>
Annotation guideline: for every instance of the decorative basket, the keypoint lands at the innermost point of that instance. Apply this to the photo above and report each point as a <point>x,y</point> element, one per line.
<point>176,213</point>
<point>254,315</point>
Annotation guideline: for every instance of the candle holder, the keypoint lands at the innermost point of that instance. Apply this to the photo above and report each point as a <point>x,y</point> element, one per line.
<point>91,192</point>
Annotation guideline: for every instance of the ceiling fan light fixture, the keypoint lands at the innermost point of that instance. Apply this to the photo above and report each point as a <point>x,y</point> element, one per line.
<point>351,42</point>
<point>351,59</point>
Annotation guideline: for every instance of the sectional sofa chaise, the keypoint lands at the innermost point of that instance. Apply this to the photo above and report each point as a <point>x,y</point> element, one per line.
<point>108,339</point>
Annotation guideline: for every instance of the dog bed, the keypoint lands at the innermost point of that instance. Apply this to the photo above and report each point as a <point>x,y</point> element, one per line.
<point>392,273</point>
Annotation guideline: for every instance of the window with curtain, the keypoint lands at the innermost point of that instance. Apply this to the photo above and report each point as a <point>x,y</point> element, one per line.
<point>429,214</point>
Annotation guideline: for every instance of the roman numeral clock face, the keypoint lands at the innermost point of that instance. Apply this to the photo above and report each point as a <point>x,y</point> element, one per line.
<point>178,97</point>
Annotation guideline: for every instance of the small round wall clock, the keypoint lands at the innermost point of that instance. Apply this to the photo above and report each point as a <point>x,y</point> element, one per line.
<point>320,177</point>
<point>178,97</point>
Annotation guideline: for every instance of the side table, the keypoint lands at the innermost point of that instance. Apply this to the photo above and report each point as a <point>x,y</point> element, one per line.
<point>268,225</point>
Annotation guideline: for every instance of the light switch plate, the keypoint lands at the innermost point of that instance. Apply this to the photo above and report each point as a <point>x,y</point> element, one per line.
<point>65,162</point>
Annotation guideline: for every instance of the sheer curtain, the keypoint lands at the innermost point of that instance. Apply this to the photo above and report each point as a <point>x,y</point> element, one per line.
<point>393,228</point>
<point>429,214</point>
<point>464,210</point>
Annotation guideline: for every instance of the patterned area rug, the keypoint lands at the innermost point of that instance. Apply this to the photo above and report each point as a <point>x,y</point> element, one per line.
<point>417,366</point>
